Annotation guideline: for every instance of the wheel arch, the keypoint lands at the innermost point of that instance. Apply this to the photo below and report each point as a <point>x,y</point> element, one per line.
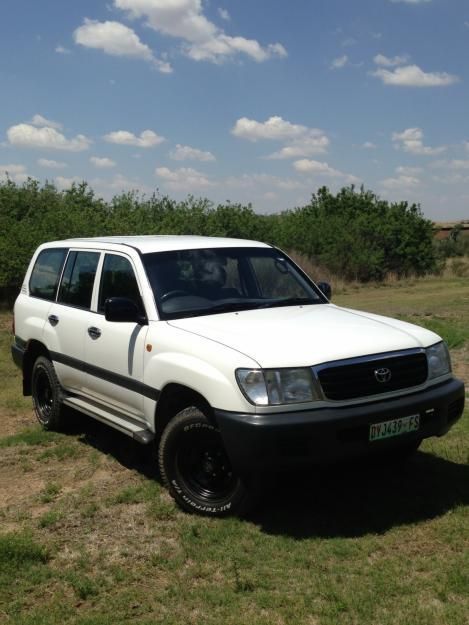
<point>174,398</point>
<point>33,351</point>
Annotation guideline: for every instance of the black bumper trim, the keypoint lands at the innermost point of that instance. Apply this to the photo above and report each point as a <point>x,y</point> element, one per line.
<point>258,441</point>
<point>17,353</point>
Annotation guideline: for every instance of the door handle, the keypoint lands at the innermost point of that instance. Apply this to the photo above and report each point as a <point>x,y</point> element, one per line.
<point>53,320</point>
<point>95,333</point>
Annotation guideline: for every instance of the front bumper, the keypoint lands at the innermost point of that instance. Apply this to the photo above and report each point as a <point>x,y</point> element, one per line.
<point>279,440</point>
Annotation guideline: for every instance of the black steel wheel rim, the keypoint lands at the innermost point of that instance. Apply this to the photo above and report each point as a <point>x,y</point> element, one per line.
<point>43,395</point>
<point>204,466</point>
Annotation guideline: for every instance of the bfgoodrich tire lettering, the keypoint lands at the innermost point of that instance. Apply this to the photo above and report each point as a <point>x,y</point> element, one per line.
<point>196,469</point>
<point>47,394</point>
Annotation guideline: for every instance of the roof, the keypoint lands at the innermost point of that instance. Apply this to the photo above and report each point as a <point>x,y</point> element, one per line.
<point>163,243</point>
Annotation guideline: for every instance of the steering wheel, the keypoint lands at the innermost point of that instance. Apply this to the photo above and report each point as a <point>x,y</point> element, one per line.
<point>170,294</point>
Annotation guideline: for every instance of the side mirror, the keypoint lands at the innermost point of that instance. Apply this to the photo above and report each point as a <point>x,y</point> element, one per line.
<point>326,289</point>
<point>123,309</point>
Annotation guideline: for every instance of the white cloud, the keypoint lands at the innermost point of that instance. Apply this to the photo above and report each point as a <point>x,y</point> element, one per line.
<point>314,142</point>
<point>318,168</point>
<point>340,62</point>
<point>408,171</point>
<point>300,140</point>
<point>223,13</point>
<point>118,184</point>
<point>411,140</point>
<point>202,39</point>
<point>40,121</point>
<point>457,178</point>
<point>62,50</point>
<point>12,169</point>
<point>413,76</point>
<point>184,178</point>
<point>466,145</point>
<point>401,182</point>
<point>350,41</point>
<point>455,164</point>
<point>117,40</point>
<point>28,136</point>
<point>386,61</point>
<point>102,163</point>
<point>251,181</point>
<point>186,153</point>
<point>62,182</point>
<point>51,164</point>
<point>369,145</point>
<point>15,172</point>
<point>411,1</point>
<point>147,138</point>
<point>274,128</point>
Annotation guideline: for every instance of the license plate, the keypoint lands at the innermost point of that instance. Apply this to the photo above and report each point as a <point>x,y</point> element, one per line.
<point>394,427</point>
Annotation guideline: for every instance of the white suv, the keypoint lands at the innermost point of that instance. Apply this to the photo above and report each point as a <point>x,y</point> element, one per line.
<point>224,355</point>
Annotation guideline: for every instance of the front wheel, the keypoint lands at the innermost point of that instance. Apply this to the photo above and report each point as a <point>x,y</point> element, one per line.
<point>196,469</point>
<point>47,394</point>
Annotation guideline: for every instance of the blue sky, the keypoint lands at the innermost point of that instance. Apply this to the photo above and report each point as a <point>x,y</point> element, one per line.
<point>250,101</point>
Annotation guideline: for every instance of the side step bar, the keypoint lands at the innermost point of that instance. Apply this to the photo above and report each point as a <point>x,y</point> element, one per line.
<point>124,424</point>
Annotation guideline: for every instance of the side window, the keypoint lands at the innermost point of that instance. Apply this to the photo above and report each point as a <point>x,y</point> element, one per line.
<point>118,280</point>
<point>78,279</point>
<point>46,273</point>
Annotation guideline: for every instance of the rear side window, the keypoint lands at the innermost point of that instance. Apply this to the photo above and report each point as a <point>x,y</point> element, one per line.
<point>46,273</point>
<point>118,280</point>
<point>76,288</point>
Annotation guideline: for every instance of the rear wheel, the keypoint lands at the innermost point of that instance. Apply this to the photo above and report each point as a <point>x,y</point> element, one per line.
<point>47,394</point>
<point>196,469</point>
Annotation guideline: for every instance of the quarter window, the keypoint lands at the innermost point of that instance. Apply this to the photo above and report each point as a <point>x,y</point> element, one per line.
<point>46,273</point>
<point>76,288</point>
<point>118,280</point>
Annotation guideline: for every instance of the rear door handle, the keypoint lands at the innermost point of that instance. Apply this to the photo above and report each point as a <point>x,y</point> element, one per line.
<point>95,333</point>
<point>53,320</point>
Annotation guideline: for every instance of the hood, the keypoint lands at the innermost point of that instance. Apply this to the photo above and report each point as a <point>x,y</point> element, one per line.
<point>306,335</point>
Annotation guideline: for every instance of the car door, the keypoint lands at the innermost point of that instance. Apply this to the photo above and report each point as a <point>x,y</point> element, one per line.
<point>66,324</point>
<point>114,350</point>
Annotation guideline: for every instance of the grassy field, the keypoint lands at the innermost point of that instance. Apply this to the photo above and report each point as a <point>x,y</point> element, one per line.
<point>88,536</point>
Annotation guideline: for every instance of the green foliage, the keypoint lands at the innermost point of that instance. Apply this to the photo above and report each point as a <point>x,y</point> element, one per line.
<point>19,550</point>
<point>358,236</point>
<point>354,233</point>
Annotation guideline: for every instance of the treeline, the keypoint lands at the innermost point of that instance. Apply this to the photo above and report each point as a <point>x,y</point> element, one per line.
<point>353,233</point>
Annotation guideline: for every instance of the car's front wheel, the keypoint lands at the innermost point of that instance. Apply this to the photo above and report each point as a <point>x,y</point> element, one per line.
<point>196,469</point>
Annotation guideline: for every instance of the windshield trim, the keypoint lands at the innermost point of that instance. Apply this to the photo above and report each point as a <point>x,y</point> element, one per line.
<point>274,303</point>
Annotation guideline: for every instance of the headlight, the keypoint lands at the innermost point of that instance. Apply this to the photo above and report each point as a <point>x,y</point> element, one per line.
<point>265,387</point>
<point>439,362</point>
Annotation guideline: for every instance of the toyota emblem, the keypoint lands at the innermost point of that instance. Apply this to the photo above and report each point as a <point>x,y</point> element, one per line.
<point>383,375</point>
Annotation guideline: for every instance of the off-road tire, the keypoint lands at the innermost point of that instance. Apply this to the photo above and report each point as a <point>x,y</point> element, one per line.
<point>196,469</point>
<point>47,394</point>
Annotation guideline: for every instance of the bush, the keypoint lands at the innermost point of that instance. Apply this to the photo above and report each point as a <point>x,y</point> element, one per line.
<point>354,234</point>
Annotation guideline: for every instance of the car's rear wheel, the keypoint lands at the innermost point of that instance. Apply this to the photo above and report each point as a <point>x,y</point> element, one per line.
<point>47,394</point>
<point>196,469</point>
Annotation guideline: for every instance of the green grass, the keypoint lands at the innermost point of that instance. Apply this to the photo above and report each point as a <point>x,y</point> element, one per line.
<point>453,332</point>
<point>91,538</point>
<point>31,437</point>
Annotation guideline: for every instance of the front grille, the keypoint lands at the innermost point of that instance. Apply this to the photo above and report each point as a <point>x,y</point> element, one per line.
<point>357,378</point>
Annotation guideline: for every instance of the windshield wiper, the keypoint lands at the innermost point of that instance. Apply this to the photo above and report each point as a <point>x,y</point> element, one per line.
<point>290,301</point>
<point>231,307</point>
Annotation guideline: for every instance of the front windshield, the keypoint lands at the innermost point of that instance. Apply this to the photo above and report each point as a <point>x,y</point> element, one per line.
<point>189,283</point>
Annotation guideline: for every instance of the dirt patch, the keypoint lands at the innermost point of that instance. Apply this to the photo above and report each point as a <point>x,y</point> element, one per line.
<point>12,424</point>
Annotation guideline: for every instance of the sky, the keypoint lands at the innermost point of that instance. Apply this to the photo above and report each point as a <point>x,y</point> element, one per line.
<point>251,101</point>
